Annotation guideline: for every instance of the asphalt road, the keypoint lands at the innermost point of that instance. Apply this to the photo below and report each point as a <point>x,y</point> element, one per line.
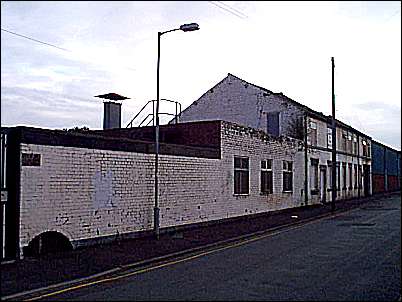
<point>355,256</point>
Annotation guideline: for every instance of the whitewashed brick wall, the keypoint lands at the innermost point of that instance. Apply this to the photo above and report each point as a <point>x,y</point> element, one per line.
<point>325,156</point>
<point>87,193</point>
<point>239,102</point>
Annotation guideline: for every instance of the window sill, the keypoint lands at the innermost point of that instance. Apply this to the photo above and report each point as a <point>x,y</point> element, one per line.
<point>241,194</point>
<point>289,192</point>
<point>266,193</point>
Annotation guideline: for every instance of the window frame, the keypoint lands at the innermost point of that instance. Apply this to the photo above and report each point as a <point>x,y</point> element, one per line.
<point>241,171</point>
<point>312,136</point>
<point>287,171</point>
<point>269,171</point>
<point>354,144</point>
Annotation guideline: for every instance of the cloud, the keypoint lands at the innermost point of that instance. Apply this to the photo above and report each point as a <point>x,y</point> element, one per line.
<point>282,46</point>
<point>41,107</point>
<point>379,120</point>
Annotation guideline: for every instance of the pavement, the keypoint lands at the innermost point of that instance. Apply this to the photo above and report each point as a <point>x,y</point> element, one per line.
<point>31,273</point>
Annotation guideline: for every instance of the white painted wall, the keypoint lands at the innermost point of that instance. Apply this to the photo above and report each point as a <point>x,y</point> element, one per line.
<point>87,193</point>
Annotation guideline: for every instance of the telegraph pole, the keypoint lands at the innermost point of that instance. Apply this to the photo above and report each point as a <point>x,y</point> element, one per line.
<point>333,141</point>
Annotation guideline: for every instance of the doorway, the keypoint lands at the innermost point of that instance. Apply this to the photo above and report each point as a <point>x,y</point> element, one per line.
<point>366,180</point>
<point>323,184</point>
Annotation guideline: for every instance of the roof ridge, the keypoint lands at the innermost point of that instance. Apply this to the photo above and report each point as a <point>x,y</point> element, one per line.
<point>305,107</point>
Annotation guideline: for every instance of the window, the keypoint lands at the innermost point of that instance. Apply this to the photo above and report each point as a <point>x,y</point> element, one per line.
<point>354,144</point>
<point>343,140</point>
<point>350,176</point>
<point>241,175</point>
<point>312,137</point>
<point>349,143</point>
<point>273,123</point>
<point>287,176</point>
<point>355,186</point>
<point>366,148</point>
<point>266,176</point>
<point>360,176</point>
<point>343,176</point>
<point>314,176</point>
<point>329,137</point>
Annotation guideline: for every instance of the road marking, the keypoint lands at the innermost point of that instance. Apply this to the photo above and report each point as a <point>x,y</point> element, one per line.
<point>258,237</point>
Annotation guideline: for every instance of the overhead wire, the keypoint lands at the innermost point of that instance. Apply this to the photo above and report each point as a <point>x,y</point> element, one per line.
<point>229,11</point>
<point>32,39</point>
<point>48,44</point>
<point>232,8</point>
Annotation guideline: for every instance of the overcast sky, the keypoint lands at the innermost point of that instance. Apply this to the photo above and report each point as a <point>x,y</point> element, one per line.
<point>285,47</point>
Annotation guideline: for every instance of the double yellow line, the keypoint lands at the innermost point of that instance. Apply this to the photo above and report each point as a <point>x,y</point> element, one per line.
<point>258,237</point>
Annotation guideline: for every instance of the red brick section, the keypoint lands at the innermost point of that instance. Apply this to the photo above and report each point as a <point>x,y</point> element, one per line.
<point>392,183</point>
<point>378,183</point>
<point>196,134</point>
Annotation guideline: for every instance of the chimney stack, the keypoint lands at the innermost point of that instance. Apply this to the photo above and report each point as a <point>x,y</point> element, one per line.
<point>111,110</point>
<point>111,115</point>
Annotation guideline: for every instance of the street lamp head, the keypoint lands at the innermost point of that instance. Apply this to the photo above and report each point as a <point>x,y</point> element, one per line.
<point>189,27</point>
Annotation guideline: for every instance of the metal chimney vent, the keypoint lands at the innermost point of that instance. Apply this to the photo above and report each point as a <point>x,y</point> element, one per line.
<point>111,110</point>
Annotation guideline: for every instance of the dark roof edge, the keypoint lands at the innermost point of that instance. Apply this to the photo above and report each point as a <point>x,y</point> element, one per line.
<point>39,136</point>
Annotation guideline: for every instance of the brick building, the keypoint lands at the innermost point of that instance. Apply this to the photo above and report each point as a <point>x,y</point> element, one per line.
<point>94,186</point>
<point>238,150</point>
<point>236,100</point>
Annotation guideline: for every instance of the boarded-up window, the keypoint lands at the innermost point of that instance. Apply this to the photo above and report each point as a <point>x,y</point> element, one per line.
<point>287,176</point>
<point>273,121</point>
<point>30,159</point>
<point>241,175</point>
<point>266,176</point>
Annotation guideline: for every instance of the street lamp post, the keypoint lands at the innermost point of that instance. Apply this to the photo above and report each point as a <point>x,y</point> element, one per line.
<point>184,27</point>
